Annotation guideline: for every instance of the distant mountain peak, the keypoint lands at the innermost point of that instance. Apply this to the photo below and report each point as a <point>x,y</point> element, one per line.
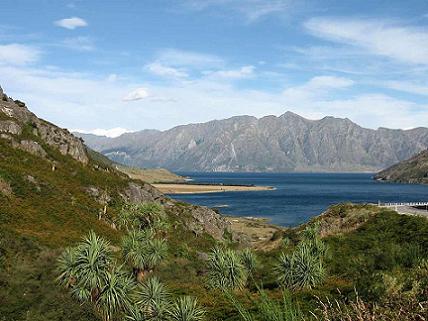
<point>289,142</point>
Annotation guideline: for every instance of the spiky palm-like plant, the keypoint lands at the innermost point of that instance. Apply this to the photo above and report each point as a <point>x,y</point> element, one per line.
<point>93,261</point>
<point>186,308</point>
<point>67,268</point>
<point>300,269</point>
<point>153,299</point>
<point>249,260</point>
<point>140,216</point>
<point>142,252</point>
<point>115,295</point>
<point>225,270</point>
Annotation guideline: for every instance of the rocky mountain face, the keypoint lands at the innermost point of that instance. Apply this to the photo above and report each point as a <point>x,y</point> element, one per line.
<point>269,144</point>
<point>16,120</point>
<point>413,170</point>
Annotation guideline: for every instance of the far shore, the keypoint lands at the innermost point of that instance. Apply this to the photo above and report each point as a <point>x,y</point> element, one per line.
<point>171,188</point>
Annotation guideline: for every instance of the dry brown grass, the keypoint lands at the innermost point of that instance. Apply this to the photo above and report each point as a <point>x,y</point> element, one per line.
<point>5,188</point>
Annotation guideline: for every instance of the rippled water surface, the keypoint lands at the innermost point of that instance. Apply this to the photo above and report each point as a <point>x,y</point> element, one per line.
<point>298,196</point>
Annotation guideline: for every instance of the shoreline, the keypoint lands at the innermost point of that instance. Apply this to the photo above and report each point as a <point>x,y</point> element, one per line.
<point>186,188</point>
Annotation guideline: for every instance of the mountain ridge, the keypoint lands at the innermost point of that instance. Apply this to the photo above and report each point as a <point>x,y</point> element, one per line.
<point>413,170</point>
<point>288,142</point>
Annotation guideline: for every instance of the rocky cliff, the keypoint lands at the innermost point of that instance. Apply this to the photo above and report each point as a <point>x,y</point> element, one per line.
<point>16,120</point>
<point>270,144</point>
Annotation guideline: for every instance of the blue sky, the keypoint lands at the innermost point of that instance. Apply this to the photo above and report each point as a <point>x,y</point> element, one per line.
<point>114,66</point>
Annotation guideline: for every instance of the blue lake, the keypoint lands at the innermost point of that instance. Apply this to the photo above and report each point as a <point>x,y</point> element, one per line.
<point>298,196</point>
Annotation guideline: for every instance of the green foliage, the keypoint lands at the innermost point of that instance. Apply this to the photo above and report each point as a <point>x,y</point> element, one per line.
<point>152,299</point>
<point>140,216</point>
<point>268,309</point>
<point>89,272</point>
<point>225,269</point>
<point>115,294</point>
<point>304,267</point>
<point>249,260</point>
<point>388,243</point>
<point>186,308</point>
<point>142,251</point>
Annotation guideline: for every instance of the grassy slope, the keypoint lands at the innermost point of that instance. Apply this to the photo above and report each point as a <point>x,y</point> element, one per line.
<point>413,170</point>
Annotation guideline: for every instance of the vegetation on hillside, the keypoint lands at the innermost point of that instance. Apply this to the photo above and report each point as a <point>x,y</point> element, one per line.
<point>413,170</point>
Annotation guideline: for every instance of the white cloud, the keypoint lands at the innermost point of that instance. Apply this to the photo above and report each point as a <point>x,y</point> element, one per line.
<point>243,72</point>
<point>79,43</point>
<point>182,58</point>
<point>17,54</point>
<point>252,10</point>
<point>113,132</point>
<point>137,94</point>
<point>166,71</point>
<point>316,87</point>
<point>76,100</point>
<point>112,77</point>
<point>403,43</point>
<point>410,87</point>
<point>71,23</point>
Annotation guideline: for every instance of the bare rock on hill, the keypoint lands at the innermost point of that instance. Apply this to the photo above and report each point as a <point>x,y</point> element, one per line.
<point>10,127</point>
<point>200,219</point>
<point>58,138</point>
<point>31,147</point>
<point>137,193</point>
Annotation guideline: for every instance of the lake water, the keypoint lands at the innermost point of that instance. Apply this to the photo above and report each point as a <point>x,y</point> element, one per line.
<point>298,196</point>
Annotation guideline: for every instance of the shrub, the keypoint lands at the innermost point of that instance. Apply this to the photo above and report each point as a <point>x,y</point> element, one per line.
<point>186,309</point>
<point>225,270</point>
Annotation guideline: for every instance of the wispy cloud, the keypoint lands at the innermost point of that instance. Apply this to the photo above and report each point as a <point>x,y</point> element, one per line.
<point>159,69</point>
<point>71,23</point>
<point>137,94</point>
<point>407,44</point>
<point>241,73</point>
<point>252,10</point>
<point>113,132</point>
<point>182,58</point>
<point>79,43</point>
<point>17,54</point>
<point>410,87</point>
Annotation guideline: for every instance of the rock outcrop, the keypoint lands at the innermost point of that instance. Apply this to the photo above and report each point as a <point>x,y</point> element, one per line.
<point>14,117</point>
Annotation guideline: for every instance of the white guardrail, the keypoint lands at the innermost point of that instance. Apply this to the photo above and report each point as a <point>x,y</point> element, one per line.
<point>403,204</point>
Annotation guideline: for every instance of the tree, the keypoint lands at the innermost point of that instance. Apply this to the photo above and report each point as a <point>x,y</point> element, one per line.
<point>143,252</point>
<point>115,294</point>
<point>186,308</point>
<point>89,272</point>
<point>225,270</point>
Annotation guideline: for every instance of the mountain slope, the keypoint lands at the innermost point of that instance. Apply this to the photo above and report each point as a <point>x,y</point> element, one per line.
<point>413,170</point>
<point>244,143</point>
<point>53,190</point>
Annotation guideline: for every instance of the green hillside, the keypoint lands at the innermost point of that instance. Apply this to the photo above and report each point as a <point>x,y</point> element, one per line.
<point>413,170</point>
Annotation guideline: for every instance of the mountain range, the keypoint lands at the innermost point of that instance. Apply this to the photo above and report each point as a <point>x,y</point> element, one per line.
<point>269,144</point>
